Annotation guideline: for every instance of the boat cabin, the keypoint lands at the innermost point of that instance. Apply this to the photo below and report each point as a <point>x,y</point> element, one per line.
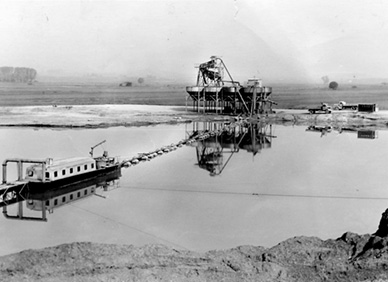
<point>59,169</point>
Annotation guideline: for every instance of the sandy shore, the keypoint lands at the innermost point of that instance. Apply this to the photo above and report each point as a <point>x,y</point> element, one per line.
<point>142,115</point>
<point>91,115</point>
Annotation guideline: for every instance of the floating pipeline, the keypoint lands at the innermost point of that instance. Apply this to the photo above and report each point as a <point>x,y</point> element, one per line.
<point>143,157</point>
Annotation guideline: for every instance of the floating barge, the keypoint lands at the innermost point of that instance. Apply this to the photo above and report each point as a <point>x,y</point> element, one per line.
<point>47,174</point>
<point>48,200</point>
<point>42,175</point>
<point>216,90</point>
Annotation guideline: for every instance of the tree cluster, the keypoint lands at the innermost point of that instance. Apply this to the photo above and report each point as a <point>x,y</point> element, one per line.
<point>333,85</point>
<point>18,74</point>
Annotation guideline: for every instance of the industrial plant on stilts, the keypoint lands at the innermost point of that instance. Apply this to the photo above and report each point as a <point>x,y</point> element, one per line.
<point>216,91</point>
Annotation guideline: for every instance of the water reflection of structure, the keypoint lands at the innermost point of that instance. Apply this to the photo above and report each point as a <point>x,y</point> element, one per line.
<point>219,141</point>
<point>361,133</point>
<point>48,200</point>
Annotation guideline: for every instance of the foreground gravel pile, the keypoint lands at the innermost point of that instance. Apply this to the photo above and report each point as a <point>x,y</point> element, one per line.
<point>351,257</point>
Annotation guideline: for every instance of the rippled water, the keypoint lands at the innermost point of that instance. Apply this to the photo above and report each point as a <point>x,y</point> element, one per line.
<point>256,186</point>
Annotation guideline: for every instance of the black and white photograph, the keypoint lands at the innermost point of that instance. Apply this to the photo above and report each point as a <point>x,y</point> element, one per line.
<point>194,140</point>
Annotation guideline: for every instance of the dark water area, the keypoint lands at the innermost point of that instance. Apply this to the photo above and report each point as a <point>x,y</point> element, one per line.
<point>252,185</point>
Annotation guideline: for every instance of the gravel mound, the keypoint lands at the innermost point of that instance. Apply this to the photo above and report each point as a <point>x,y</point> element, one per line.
<point>351,257</point>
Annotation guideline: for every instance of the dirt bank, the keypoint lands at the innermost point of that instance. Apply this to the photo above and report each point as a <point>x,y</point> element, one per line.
<point>351,257</point>
<point>138,115</point>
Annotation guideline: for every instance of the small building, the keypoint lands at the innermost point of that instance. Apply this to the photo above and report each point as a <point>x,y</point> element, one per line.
<point>367,108</point>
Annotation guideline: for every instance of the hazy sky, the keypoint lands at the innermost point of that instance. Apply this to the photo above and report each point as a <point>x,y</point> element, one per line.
<point>272,39</point>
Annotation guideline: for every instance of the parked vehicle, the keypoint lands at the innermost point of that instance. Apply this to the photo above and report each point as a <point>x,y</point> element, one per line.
<point>324,108</point>
<point>342,105</point>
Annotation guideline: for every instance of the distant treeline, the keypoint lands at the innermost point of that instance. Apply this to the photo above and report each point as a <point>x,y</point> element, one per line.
<point>11,74</point>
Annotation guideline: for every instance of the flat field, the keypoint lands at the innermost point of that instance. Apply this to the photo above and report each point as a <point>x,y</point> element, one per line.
<point>290,96</point>
<point>12,94</point>
<point>305,96</point>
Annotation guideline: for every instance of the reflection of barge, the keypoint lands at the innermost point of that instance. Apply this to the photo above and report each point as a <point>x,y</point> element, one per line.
<point>54,198</point>
<point>63,199</point>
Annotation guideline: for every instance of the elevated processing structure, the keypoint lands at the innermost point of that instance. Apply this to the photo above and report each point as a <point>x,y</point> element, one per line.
<point>216,91</point>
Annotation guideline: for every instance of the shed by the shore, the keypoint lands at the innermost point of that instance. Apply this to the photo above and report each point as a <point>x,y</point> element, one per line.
<point>367,108</point>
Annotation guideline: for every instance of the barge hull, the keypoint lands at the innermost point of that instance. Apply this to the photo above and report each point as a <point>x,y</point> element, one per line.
<point>101,179</point>
<point>39,186</point>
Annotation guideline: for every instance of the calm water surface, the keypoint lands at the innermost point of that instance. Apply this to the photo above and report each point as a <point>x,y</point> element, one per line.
<point>210,196</point>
